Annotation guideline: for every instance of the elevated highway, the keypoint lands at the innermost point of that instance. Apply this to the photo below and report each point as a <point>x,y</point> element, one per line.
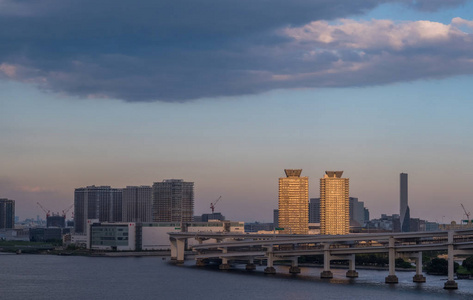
<point>231,247</point>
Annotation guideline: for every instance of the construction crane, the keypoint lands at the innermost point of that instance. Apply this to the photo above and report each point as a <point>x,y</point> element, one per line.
<point>47,212</point>
<point>466,213</point>
<point>64,212</point>
<point>212,205</point>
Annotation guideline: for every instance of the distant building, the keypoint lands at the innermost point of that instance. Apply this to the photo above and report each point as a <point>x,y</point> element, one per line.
<point>112,236</point>
<point>276,217</point>
<point>384,224</point>
<point>357,212</point>
<point>417,224</point>
<point>367,214</point>
<point>146,236</point>
<point>314,210</point>
<point>53,234</point>
<point>294,202</point>
<point>56,221</point>
<point>334,204</point>
<point>256,226</point>
<point>7,213</point>
<point>404,211</point>
<point>431,226</point>
<point>96,202</point>
<point>137,204</point>
<point>213,216</point>
<point>173,201</point>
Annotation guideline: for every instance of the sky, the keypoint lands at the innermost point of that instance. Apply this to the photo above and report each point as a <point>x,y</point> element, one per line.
<point>228,94</point>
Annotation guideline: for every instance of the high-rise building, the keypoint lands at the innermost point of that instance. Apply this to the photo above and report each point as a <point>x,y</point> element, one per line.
<point>357,212</point>
<point>173,201</point>
<point>334,204</point>
<point>137,204</point>
<point>405,212</point>
<point>314,210</point>
<point>276,218</point>
<point>96,202</point>
<point>7,213</point>
<point>294,202</point>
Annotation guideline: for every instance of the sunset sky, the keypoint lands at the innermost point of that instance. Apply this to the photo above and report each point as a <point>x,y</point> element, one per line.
<point>228,94</point>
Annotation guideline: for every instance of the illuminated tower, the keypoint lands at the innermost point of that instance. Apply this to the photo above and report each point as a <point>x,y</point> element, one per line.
<point>294,202</point>
<point>405,212</point>
<point>334,204</point>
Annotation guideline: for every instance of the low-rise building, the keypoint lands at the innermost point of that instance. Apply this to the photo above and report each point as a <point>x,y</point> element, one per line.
<point>150,235</point>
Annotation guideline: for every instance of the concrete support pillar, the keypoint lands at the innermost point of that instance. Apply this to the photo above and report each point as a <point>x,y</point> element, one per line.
<point>224,265</point>
<point>392,278</point>
<point>250,266</point>
<point>173,249</point>
<point>326,273</point>
<point>419,277</point>
<point>294,269</point>
<point>180,246</point>
<point>269,267</point>
<point>351,273</point>
<point>450,284</point>
<point>200,263</point>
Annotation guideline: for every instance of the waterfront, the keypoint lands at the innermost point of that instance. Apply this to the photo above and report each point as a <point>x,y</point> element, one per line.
<point>74,277</point>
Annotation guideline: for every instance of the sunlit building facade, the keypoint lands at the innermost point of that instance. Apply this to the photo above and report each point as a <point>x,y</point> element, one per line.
<point>334,204</point>
<point>294,202</point>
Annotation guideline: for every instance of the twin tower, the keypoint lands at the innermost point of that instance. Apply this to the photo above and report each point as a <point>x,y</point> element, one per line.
<point>294,203</point>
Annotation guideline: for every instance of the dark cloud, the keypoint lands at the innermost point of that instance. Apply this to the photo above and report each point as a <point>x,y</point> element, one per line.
<point>433,5</point>
<point>171,50</point>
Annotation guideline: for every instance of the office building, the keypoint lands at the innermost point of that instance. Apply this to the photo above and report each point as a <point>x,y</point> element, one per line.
<point>334,203</point>
<point>405,212</point>
<point>56,221</point>
<point>256,227</point>
<point>173,201</point>
<point>314,210</point>
<point>216,216</point>
<point>367,214</point>
<point>137,204</point>
<point>294,202</point>
<point>96,202</point>
<point>357,212</point>
<point>7,213</point>
<point>276,218</point>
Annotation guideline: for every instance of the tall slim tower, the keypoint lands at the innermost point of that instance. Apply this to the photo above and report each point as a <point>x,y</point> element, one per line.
<point>334,203</point>
<point>294,202</point>
<point>405,212</point>
<point>173,201</point>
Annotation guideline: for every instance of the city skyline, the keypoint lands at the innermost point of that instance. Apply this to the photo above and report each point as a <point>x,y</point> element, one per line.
<point>374,88</point>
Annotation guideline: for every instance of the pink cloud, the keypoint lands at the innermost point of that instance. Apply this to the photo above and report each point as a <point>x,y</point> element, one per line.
<point>377,34</point>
